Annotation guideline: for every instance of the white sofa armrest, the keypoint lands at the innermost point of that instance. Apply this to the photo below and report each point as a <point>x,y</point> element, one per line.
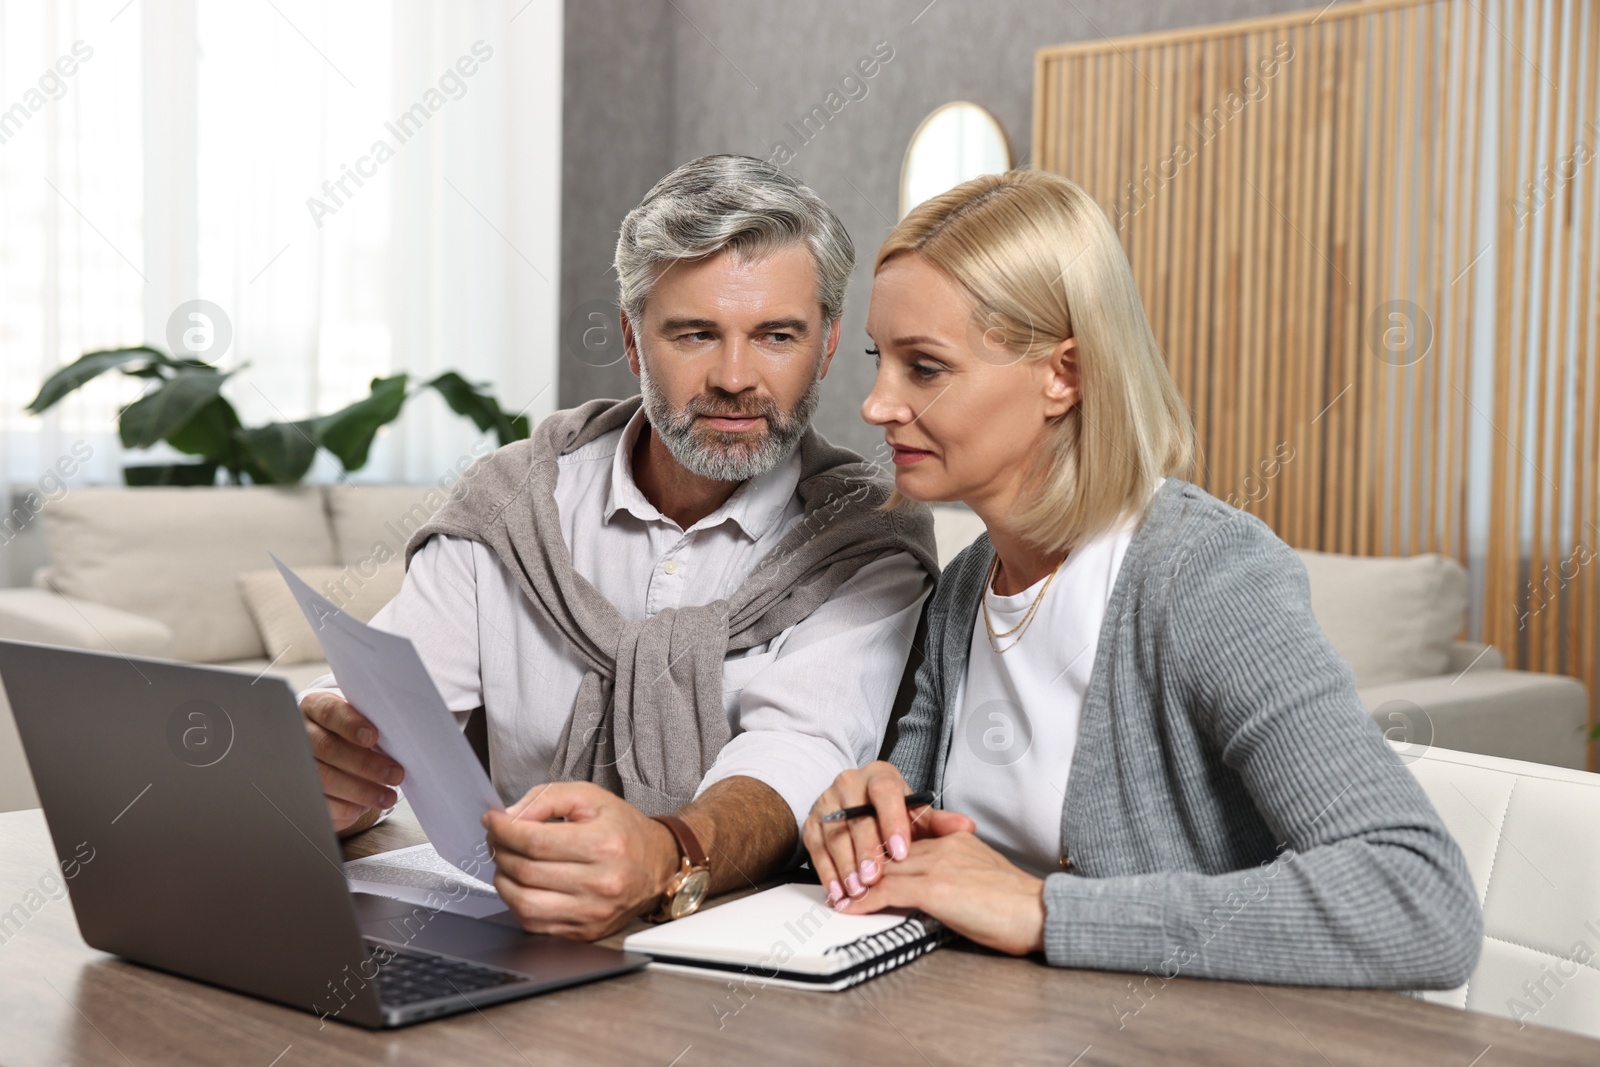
<point>51,618</point>
<point>1464,654</point>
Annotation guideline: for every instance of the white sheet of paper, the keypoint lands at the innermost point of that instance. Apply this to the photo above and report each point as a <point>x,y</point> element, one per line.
<point>382,677</point>
<point>419,875</point>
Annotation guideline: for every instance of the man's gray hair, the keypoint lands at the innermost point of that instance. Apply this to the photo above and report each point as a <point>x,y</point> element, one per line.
<point>736,203</point>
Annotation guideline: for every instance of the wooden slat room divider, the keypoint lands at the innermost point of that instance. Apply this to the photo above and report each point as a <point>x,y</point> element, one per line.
<point>1366,238</point>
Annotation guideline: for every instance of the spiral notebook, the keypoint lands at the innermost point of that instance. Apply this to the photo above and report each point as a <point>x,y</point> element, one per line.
<point>788,936</point>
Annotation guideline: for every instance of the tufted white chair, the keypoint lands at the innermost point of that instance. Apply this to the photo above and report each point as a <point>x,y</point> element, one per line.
<point>1531,835</point>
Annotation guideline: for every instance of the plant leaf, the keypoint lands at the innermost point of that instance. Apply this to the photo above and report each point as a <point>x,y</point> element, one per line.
<point>91,365</point>
<point>282,451</point>
<point>210,434</point>
<point>348,432</point>
<point>168,407</point>
<point>149,370</point>
<point>479,405</point>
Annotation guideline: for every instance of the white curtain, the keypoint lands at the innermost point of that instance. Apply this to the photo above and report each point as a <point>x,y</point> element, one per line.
<point>72,247</point>
<point>362,187</point>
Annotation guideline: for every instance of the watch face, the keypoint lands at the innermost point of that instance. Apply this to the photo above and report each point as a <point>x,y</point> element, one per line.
<point>690,894</point>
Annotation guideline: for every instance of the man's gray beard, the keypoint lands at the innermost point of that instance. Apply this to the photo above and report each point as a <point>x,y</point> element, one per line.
<point>726,457</point>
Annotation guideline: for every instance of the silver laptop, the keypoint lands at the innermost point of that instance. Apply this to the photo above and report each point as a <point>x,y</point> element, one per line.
<point>194,793</point>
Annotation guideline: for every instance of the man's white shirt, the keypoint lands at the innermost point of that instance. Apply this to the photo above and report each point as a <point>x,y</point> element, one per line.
<point>812,702</point>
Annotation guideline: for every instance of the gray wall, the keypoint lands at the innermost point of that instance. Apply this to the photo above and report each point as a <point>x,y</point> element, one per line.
<point>652,83</point>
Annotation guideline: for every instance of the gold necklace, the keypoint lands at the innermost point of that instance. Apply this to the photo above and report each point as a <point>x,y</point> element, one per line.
<point>1033,609</point>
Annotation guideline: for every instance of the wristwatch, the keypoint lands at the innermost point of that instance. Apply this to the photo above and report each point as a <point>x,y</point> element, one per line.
<point>688,886</point>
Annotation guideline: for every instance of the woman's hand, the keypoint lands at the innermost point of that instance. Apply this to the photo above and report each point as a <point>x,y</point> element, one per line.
<point>969,887</point>
<point>850,856</point>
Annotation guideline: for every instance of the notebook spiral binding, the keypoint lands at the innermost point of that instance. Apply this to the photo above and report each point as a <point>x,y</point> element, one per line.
<point>895,946</point>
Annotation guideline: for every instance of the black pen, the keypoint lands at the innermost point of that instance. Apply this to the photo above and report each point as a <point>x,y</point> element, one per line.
<point>915,800</point>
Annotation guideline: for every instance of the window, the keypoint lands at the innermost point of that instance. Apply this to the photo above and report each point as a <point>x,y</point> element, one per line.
<point>233,156</point>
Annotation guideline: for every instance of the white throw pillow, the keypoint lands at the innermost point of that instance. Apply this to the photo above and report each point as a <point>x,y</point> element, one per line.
<point>174,555</point>
<point>1392,618</point>
<point>361,591</point>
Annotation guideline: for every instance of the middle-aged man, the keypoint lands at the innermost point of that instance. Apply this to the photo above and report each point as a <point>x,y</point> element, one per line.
<point>687,604</point>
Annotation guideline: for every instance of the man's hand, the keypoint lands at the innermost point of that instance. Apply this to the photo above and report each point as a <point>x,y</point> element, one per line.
<point>583,878</point>
<point>356,779</point>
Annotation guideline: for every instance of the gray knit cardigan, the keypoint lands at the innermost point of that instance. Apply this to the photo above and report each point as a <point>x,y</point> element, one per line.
<point>1232,811</point>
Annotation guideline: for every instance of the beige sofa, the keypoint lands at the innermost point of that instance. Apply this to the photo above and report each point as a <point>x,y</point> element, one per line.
<point>156,572</point>
<point>1395,621</point>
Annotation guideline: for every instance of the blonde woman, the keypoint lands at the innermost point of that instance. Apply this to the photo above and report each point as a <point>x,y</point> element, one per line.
<point>1145,754</point>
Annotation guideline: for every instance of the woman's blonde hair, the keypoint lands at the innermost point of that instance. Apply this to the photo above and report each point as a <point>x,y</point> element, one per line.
<point>1042,263</point>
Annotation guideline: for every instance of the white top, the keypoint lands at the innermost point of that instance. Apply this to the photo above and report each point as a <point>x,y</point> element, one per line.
<point>1018,711</point>
<point>808,704</point>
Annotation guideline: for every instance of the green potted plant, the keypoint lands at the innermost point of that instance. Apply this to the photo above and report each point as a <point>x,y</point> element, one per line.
<point>186,409</point>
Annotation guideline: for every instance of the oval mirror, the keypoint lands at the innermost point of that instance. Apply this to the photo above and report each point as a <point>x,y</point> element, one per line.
<point>956,142</point>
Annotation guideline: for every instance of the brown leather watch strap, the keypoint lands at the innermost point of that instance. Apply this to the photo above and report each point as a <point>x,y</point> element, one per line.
<point>687,841</point>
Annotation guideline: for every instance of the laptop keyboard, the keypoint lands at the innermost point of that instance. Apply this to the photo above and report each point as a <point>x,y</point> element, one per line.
<point>406,977</point>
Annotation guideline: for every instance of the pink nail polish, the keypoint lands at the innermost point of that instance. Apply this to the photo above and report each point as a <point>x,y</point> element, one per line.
<point>835,892</point>
<point>897,847</point>
<point>854,885</point>
<point>869,871</point>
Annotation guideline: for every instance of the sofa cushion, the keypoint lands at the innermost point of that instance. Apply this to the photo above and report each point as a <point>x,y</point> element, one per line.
<point>1541,718</point>
<point>372,523</point>
<point>1392,618</point>
<point>287,635</point>
<point>48,618</point>
<point>174,555</point>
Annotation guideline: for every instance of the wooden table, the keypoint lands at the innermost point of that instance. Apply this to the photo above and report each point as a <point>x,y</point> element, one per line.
<point>62,1002</point>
